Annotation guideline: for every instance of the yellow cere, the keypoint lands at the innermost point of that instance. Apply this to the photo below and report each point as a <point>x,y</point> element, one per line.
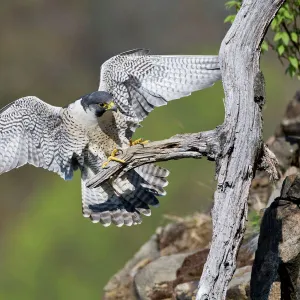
<point>109,105</point>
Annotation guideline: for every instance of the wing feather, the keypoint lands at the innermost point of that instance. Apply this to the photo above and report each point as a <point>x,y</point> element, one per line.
<point>33,132</point>
<point>139,82</point>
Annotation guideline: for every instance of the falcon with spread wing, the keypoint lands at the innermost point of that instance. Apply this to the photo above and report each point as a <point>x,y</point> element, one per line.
<point>85,134</point>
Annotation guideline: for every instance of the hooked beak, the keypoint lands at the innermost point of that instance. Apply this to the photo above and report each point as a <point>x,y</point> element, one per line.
<point>110,106</point>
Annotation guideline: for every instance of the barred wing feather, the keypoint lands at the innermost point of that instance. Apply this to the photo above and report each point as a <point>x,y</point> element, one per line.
<point>139,82</point>
<point>31,131</point>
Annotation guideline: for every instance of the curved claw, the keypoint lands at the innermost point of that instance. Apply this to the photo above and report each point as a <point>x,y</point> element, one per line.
<point>138,142</point>
<point>113,157</point>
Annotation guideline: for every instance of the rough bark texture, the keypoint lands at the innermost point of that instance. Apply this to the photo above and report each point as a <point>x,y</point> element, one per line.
<point>190,237</point>
<point>244,97</point>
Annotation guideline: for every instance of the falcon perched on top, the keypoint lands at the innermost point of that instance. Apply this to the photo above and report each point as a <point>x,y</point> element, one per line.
<point>85,134</point>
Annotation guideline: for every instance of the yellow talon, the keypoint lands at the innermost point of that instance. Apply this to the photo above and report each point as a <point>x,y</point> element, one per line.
<point>113,157</point>
<point>139,142</point>
<point>105,163</point>
<point>114,153</point>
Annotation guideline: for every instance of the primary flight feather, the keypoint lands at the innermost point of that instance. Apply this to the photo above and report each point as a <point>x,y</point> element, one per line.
<point>85,134</point>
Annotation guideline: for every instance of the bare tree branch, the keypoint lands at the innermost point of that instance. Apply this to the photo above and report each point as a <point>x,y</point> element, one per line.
<point>194,145</point>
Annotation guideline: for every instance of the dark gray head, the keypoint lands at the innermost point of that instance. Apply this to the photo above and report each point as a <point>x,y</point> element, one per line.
<point>99,101</point>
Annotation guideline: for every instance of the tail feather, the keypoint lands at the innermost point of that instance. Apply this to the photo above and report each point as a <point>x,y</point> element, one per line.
<point>146,197</point>
<point>153,170</point>
<point>124,200</point>
<point>153,178</point>
<point>153,189</point>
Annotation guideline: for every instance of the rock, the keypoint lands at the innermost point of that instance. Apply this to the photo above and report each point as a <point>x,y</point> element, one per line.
<point>290,125</point>
<point>191,233</point>
<point>192,267</point>
<point>158,279</point>
<point>247,251</point>
<point>260,191</point>
<point>186,291</point>
<point>239,287</point>
<point>155,280</point>
<point>278,255</point>
<point>170,264</point>
<point>183,239</point>
<point>120,286</point>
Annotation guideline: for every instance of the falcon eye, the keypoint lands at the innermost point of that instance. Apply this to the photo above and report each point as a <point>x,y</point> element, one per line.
<point>105,105</point>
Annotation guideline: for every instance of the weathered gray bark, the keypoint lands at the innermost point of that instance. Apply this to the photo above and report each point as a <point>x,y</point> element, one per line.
<point>236,145</point>
<point>244,97</point>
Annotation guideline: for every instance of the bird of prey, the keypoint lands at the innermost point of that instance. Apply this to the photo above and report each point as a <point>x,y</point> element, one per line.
<point>85,134</point>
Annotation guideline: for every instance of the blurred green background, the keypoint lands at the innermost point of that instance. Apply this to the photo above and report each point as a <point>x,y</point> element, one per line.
<point>54,49</point>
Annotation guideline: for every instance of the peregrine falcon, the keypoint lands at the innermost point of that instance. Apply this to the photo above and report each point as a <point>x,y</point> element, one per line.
<point>85,134</point>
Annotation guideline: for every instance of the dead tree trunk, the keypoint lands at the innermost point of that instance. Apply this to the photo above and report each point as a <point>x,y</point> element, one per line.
<point>236,145</point>
<point>242,141</point>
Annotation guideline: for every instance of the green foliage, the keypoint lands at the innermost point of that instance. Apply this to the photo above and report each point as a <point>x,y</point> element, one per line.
<point>254,220</point>
<point>285,33</point>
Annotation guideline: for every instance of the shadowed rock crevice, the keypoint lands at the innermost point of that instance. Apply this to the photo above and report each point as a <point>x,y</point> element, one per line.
<point>277,258</point>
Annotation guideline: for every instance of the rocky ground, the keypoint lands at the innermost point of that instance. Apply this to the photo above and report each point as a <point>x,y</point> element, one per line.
<point>170,264</point>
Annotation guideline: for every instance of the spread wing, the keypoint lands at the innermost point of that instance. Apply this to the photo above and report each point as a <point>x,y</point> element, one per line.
<point>33,132</point>
<point>139,82</point>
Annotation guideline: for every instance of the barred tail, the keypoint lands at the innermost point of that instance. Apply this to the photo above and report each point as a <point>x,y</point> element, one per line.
<point>132,195</point>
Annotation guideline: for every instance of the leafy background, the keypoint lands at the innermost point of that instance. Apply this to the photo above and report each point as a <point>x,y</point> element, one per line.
<point>283,37</point>
<point>53,49</point>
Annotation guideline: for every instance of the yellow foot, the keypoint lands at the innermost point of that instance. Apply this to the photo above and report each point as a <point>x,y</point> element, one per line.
<point>113,157</point>
<point>138,142</point>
